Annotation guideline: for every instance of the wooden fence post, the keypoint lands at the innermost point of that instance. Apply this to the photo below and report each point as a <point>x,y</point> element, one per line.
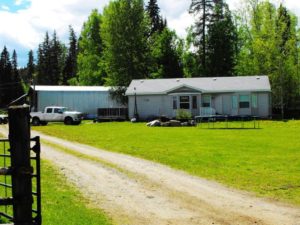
<point>19,138</point>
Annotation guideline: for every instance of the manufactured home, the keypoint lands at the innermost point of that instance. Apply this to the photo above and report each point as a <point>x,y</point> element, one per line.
<point>86,99</point>
<point>232,96</point>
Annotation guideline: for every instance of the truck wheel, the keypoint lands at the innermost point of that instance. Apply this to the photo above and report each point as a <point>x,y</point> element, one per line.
<point>77,122</point>
<point>35,121</point>
<point>68,121</point>
<point>44,123</point>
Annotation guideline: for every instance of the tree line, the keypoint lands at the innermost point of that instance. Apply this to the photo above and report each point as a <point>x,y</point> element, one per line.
<point>130,40</point>
<point>11,86</point>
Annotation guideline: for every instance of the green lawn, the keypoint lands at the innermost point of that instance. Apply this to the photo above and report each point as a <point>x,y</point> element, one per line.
<point>61,202</point>
<point>265,161</point>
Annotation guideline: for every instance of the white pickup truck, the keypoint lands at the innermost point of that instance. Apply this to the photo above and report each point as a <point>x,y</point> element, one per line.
<point>56,114</point>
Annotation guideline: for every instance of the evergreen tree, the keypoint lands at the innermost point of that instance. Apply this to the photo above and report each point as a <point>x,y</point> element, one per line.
<point>91,70</point>
<point>6,81</point>
<point>57,59</point>
<point>10,82</point>
<point>51,57</point>
<point>14,63</point>
<point>157,22</point>
<point>70,66</point>
<point>44,62</point>
<point>202,9</point>
<point>30,67</point>
<point>17,88</point>
<point>221,42</point>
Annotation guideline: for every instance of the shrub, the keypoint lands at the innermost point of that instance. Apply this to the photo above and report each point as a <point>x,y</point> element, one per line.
<point>182,114</point>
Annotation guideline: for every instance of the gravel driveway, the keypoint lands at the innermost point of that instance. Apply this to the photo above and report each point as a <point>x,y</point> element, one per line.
<point>137,191</point>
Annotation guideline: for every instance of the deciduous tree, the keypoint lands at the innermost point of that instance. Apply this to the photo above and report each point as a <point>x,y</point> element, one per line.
<point>126,50</point>
<point>91,70</point>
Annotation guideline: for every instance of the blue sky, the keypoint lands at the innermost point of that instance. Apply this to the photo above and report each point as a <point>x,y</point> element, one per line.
<point>23,23</point>
<point>14,6</point>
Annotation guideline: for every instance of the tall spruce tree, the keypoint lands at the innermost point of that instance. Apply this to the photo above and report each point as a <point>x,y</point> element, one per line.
<point>157,22</point>
<point>10,82</point>
<point>70,67</point>
<point>57,59</point>
<point>51,57</point>
<point>44,62</point>
<point>30,67</point>
<point>17,89</point>
<point>91,70</point>
<point>221,42</point>
<point>202,9</point>
<point>6,75</point>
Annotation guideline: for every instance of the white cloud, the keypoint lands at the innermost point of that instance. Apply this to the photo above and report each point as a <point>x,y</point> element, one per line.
<point>28,26</point>
<point>181,23</point>
<point>5,7</point>
<point>18,2</point>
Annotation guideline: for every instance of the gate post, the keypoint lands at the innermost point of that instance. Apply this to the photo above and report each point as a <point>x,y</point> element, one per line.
<point>19,138</point>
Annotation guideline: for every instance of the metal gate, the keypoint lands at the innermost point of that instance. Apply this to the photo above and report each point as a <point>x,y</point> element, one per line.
<point>20,181</point>
<point>6,171</point>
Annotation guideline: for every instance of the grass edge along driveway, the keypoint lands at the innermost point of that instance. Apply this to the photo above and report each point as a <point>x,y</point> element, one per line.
<point>62,203</point>
<point>265,161</point>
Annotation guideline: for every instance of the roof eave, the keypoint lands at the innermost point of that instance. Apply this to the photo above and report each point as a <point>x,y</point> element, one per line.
<point>203,92</point>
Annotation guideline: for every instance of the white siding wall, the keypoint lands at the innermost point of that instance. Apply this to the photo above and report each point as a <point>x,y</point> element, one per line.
<point>226,104</point>
<point>223,105</point>
<point>83,101</point>
<point>264,104</point>
<point>157,105</point>
<point>151,105</point>
<point>217,103</point>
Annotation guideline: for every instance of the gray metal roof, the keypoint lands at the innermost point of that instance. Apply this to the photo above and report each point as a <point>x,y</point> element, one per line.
<point>201,84</point>
<point>70,88</point>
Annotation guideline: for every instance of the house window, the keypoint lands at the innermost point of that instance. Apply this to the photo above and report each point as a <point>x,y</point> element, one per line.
<point>184,102</point>
<point>206,101</point>
<point>194,102</point>
<point>244,101</point>
<point>254,100</point>
<point>174,102</point>
<point>234,102</point>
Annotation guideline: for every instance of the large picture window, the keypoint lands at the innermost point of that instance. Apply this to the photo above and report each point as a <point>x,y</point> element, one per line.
<point>184,102</point>
<point>206,101</point>
<point>244,101</point>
